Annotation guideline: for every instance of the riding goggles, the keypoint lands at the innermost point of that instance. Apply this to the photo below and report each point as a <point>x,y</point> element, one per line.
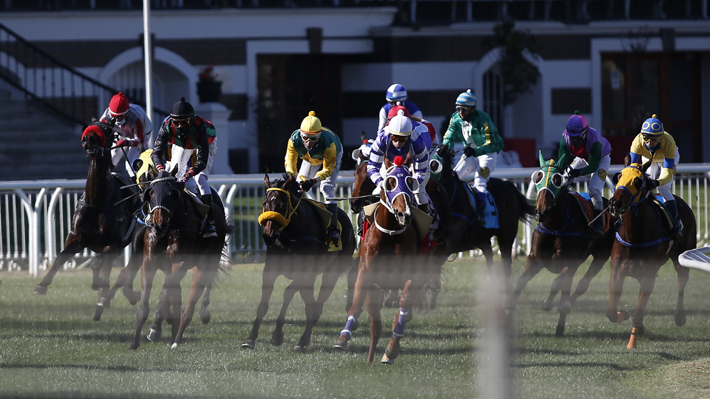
<point>651,137</point>
<point>311,138</point>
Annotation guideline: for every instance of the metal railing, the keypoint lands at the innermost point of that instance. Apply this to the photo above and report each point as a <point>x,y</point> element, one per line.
<point>35,216</point>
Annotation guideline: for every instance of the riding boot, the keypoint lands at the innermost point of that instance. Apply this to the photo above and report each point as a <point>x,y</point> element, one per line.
<point>677,229</point>
<point>597,229</point>
<point>208,229</point>
<point>481,199</point>
<point>333,234</point>
<point>424,207</point>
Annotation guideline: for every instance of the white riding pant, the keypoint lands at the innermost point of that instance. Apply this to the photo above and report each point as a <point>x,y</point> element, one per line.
<point>182,156</point>
<point>327,186</point>
<point>480,167</point>
<point>596,179</point>
<point>654,172</point>
<point>132,153</point>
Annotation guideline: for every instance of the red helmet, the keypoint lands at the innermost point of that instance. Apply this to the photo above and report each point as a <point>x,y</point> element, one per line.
<point>395,109</point>
<point>118,105</point>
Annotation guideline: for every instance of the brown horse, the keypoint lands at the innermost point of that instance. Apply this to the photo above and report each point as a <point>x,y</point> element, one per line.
<point>643,245</point>
<point>103,221</point>
<point>294,236</point>
<point>466,235</point>
<point>561,242</point>
<point>173,243</point>
<point>388,261</point>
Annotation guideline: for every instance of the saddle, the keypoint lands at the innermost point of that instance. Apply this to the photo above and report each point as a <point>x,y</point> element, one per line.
<point>491,210</point>
<point>660,202</point>
<point>585,205</point>
<point>325,216</point>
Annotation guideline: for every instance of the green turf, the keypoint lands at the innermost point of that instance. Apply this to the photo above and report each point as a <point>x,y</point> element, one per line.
<point>50,347</point>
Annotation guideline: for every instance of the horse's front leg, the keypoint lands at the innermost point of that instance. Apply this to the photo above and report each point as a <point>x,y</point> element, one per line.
<point>487,253</point>
<point>400,319</point>
<point>683,274</point>
<point>373,303</point>
<point>147,274</point>
<point>583,284</point>
<point>175,299</point>
<point>565,290</point>
<point>200,279</point>
<point>555,287</point>
<point>312,314</point>
<point>101,281</point>
<point>277,337</point>
<point>616,286</point>
<point>71,247</point>
<point>267,288</point>
<point>532,267</point>
<point>363,284</point>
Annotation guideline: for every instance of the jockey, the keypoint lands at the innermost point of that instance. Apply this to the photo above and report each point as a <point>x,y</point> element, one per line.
<point>400,138</point>
<point>655,143</point>
<point>186,133</point>
<point>396,93</point>
<point>423,125</point>
<point>482,142</point>
<point>134,127</point>
<point>586,152</point>
<point>317,145</point>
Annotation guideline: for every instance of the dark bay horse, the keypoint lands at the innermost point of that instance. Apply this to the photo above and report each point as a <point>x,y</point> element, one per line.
<point>174,244</point>
<point>103,220</point>
<point>561,242</point>
<point>389,260</point>
<point>294,236</point>
<point>465,235</point>
<point>643,245</point>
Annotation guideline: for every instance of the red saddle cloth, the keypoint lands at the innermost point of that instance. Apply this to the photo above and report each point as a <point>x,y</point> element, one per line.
<point>588,209</point>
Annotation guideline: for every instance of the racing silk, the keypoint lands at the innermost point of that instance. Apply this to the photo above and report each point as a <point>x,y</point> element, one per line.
<point>137,127</point>
<point>384,111</point>
<point>664,152</point>
<point>199,137</point>
<point>594,148</point>
<point>325,152</point>
<point>418,146</point>
<point>431,130</point>
<point>478,131</point>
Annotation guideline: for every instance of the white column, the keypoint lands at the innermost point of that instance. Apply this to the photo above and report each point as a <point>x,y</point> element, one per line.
<point>218,115</point>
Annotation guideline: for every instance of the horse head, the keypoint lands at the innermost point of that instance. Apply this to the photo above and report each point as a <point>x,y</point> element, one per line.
<point>362,186</point>
<point>549,182</point>
<point>398,190</point>
<point>631,187</point>
<point>277,207</point>
<point>164,199</point>
<point>97,139</point>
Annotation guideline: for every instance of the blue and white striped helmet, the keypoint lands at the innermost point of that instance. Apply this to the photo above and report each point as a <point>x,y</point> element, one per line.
<point>466,98</point>
<point>396,92</point>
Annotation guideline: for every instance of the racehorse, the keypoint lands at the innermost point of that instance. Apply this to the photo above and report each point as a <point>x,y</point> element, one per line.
<point>643,245</point>
<point>465,235</point>
<point>103,220</point>
<point>561,242</point>
<point>174,243</point>
<point>294,235</point>
<point>388,261</point>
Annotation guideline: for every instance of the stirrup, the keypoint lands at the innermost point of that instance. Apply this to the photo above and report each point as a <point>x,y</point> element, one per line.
<point>209,231</point>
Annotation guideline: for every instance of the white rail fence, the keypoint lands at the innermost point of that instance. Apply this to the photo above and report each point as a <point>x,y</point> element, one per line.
<point>36,216</point>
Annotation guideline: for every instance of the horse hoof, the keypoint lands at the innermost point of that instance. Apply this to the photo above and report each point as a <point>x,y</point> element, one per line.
<point>134,346</point>
<point>249,344</point>
<point>343,346</point>
<point>277,340</point>
<point>205,315</point>
<point>41,290</point>
<point>132,296</point>
<point>153,335</point>
<point>640,330</point>
<point>299,349</point>
<point>680,320</point>
<point>173,346</point>
<point>386,360</point>
<point>99,311</point>
<point>547,305</point>
<point>565,307</point>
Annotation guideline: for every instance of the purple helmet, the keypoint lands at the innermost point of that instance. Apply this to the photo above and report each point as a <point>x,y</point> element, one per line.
<point>576,125</point>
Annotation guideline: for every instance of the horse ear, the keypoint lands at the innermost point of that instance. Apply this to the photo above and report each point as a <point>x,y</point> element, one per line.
<point>146,195</point>
<point>267,182</point>
<point>541,158</point>
<point>173,172</point>
<point>627,160</point>
<point>363,136</point>
<point>615,178</point>
<point>562,160</point>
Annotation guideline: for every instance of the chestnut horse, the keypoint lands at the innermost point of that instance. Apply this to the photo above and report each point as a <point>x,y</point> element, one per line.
<point>643,245</point>
<point>294,234</point>
<point>561,242</point>
<point>174,244</point>
<point>388,261</point>
<point>103,221</point>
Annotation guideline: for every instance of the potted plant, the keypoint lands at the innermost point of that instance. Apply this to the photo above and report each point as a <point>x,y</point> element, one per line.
<point>208,87</point>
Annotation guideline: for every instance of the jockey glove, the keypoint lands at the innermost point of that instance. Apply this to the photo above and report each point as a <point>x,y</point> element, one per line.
<point>308,184</point>
<point>574,173</point>
<point>653,183</point>
<point>469,151</point>
<point>126,143</point>
<point>189,174</point>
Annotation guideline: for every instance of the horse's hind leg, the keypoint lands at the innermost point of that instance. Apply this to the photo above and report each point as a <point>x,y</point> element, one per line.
<point>555,287</point>
<point>200,280</point>
<point>583,284</point>
<point>351,277</point>
<point>277,337</point>
<point>532,267</point>
<point>205,315</point>
<point>267,288</point>
<point>404,314</point>
<point>683,274</point>
<point>313,310</point>
<point>71,247</point>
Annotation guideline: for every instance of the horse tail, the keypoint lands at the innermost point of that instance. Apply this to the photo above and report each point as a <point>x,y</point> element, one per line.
<point>527,207</point>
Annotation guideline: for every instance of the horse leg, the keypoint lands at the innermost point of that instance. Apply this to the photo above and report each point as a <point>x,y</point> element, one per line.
<point>565,307</point>
<point>373,303</point>
<point>404,315</point>
<point>532,267</point>
<point>175,300</point>
<point>205,315</point>
<point>363,284</point>
<point>647,282</point>
<point>555,287</point>
<point>683,274</point>
<point>487,253</point>
<point>147,274</point>
<point>616,286</point>
<point>583,284</point>
<point>329,279</point>
<point>199,282</point>
<point>267,287</point>
<point>506,255</point>
<point>130,274</point>
<point>71,247</point>
<point>277,337</point>
<point>351,277</point>
<point>312,315</point>
<point>104,293</point>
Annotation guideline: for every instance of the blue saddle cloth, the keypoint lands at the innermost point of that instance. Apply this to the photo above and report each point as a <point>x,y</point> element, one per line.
<point>490,213</point>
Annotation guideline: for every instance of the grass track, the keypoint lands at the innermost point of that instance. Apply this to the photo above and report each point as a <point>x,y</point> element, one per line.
<point>49,347</point>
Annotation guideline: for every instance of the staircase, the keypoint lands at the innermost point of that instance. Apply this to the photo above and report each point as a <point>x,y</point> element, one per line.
<point>37,144</point>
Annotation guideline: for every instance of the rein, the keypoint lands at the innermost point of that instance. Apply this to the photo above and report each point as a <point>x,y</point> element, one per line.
<point>276,216</point>
<point>385,230</point>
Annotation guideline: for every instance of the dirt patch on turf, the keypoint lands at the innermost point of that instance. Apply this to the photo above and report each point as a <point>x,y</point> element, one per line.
<point>689,380</point>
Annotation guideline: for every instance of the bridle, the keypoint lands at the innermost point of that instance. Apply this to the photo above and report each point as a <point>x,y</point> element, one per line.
<point>277,216</point>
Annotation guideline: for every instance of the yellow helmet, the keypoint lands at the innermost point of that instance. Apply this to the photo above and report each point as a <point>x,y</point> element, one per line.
<point>311,124</point>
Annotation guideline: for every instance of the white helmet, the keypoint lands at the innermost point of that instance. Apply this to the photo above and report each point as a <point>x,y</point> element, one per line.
<point>399,125</point>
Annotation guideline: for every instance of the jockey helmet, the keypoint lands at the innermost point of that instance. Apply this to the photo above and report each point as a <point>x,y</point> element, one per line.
<point>576,124</point>
<point>396,92</point>
<point>394,110</point>
<point>182,110</point>
<point>118,105</point>
<point>466,99</point>
<point>652,126</point>
<point>311,125</point>
<point>400,125</point>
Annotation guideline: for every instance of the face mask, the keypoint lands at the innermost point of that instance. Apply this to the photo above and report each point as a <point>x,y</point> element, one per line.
<point>120,123</point>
